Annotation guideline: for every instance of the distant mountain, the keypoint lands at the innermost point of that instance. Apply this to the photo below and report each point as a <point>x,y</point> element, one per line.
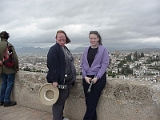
<point>44,51</point>
<point>149,50</point>
<point>144,50</point>
<point>81,49</point>
<point>78,50</point>
<point>32,51</point>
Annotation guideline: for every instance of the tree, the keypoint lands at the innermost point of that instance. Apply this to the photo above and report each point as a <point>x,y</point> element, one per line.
<point>110,60</point>
<point>128,58</point>
<point>26,68</point>
<point>126,70</point>
<point>142,54</point>
<point>136,56</point>
<point>122,63</point>
<point>113,75</point>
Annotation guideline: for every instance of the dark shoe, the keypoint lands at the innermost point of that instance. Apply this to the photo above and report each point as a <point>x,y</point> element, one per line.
<point>1,103</point>
<point>10,104</point>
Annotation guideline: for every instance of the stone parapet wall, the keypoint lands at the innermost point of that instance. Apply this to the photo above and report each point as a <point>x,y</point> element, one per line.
<point>120,100</point>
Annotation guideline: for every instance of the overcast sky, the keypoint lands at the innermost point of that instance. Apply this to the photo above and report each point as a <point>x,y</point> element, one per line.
<point>121,23</point>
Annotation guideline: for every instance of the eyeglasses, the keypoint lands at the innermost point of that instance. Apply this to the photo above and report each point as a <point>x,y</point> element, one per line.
<point>93,32</point>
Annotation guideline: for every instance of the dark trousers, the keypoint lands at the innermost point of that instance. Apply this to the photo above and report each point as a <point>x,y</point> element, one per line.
<point>57,108</point>
<point>6,88</point>
<point>92,98</point>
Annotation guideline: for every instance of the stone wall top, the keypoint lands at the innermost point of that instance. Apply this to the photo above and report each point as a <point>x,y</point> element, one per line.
<point>120,99</point>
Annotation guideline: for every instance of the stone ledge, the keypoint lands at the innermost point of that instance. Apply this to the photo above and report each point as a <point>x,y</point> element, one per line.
<point>120,100</point>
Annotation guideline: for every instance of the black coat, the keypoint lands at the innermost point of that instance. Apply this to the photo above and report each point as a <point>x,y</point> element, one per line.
<point>56,64</point>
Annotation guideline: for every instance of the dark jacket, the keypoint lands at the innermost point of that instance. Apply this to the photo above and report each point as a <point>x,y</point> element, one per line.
<point>56,64</point>
<point>3,69</point>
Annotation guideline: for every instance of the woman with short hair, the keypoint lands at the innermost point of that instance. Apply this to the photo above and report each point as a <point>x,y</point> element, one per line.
<point>61,73</point>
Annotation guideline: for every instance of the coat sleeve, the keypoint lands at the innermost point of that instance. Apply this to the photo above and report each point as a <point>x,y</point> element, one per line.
<point>53,65</point>
<point>16,62</point>
<point>104,64</point>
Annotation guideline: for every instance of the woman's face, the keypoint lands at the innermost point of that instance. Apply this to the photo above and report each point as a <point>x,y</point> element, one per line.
<point>61,39</point>
<point>94,39</point>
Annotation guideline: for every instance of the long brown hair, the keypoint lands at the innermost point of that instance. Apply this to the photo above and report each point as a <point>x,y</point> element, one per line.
<point>67,39</point>
<point>98,35</point>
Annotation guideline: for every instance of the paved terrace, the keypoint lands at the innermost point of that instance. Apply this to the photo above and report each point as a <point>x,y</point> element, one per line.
<point>120,100</point>
<point>23,113</point>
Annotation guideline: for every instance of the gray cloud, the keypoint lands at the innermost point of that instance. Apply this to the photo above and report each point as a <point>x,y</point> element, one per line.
<point>120,23</point>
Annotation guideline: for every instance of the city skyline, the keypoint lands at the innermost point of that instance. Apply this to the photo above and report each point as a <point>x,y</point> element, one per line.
<point>122,24</point>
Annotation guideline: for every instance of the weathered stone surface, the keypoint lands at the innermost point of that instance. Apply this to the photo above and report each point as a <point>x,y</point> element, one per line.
<point>120,100</point>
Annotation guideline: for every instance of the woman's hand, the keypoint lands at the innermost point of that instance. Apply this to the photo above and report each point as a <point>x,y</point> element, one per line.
<point>55,84</point>
<point>1,63</point>
<point>88,80</point>
<point>94,80</point>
